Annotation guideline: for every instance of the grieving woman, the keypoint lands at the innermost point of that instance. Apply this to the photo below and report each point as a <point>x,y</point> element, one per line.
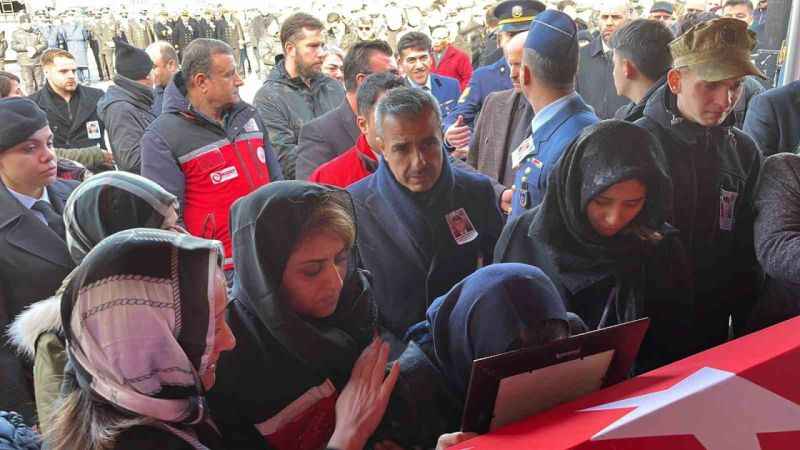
<point>144,321</point>
<point>499,308</point>
<point>601,235</point>
<point>99,207</point>
<point>302,313</point>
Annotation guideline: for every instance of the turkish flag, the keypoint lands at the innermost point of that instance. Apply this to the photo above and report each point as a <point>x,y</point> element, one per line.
<point>743,395</point>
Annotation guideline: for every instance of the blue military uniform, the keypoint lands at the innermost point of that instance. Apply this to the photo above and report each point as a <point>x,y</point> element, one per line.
<point>555,126</point>
<point>514,16</point>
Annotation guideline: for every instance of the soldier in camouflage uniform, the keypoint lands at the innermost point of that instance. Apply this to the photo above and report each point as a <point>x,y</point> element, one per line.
<point>106,32</point>
<point>29,44</point>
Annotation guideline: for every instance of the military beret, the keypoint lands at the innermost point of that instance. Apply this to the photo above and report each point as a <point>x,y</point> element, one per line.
<point>716,50</point>
<point>19,119</point>
<point>552,34</point>
<point>516,15</point>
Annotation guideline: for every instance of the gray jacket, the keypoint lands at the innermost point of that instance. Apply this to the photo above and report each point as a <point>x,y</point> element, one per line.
<point>286,104</point>
<point>126,109</point>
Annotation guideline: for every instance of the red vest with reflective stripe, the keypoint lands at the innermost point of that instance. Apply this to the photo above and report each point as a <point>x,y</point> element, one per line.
<point>217,175</point>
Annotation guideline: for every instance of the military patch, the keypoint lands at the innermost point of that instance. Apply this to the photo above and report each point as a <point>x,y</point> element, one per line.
<point>537,163</point>
<point>464,95</point>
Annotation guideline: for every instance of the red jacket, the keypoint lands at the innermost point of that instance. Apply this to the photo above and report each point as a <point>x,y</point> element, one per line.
<point>356,163</point>
<point>454,64</point>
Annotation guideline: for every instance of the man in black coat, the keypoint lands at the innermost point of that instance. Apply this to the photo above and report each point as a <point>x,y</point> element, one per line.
<point>595,82</point>
<point>332,133</point>
<point>639,70</point>
<point>773,120</point>
<point>33,253</point>
<point>714,168</point>
<point>71,110</point>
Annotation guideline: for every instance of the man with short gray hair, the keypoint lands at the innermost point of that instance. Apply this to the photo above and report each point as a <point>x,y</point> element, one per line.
<point>424,225</point>
<point>165,65</point>
<point>208,147</point>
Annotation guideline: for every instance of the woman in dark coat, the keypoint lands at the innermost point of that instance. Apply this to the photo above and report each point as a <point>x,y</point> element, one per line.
<point>601,235</point>
<point>143,318</point>
<point>302,313</point>
<point>499,308</point>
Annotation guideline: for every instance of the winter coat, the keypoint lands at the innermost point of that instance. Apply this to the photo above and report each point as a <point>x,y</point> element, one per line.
<point>777,206</point>
<point>286,104</point>
<point>126,109</point>
<point>230,31</point>
<point>15,435</point>
<point>325,138</point>
<point>72,131</point>
<point>407,243</point>
<point>455,64</point>
<point>635,111</point>
<point>351,166</point>
<point>714,172</point>
<point>184,34</point>
<point>23,39</point>
<point>77,38</point>
<point>595,81</point>
<point>772,120</point>
<point>207,165</point>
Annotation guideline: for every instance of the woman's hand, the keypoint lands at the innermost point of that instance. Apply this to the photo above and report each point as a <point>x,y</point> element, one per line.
<point>363,400</point>
<point>451,439</point>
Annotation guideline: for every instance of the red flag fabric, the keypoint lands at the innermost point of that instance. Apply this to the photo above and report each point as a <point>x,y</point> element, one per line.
<point>743,395</point>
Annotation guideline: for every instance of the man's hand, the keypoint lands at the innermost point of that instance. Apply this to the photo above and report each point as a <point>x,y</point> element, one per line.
<point>364,399</point>
<point>451,439</point>
<point>108,158</point>
<point>505,201</point>
<point>458,134</point>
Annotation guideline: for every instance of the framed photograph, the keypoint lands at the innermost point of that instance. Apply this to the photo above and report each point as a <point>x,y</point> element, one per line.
<point>514,385</point>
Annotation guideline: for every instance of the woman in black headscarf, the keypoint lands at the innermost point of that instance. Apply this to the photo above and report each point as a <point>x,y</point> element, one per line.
<point>99,207</point>
<point>302,313</point>
<point>601,235</point>
<point>144,321</point>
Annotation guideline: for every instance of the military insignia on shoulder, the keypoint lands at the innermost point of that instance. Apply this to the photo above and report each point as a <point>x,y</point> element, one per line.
<point>464,95</point>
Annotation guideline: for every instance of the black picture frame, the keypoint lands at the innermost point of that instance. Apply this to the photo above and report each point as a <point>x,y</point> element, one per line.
<point>487,373</point>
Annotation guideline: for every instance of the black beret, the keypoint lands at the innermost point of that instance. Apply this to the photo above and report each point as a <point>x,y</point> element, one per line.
<point>19,119</point>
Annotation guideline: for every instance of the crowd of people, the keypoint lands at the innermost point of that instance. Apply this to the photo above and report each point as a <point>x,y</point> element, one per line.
<point>181,269</point>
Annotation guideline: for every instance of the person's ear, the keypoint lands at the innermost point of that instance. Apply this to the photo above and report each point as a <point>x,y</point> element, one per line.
<point>360,77</point>
<point>629,70</point>
<point>674,81</point>
<point>199,81</point>
<point>526,76</point>
<point>362,123</point>
<point>381,144</point>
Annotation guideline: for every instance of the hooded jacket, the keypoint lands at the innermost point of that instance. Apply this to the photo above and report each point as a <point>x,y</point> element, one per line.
<point>610,280</point>
<point>126,109</point>
<point>409,245</point>
<point>207,165</point>
<point>714,172</point>
<point>281,382</point>
<point>286,104</point>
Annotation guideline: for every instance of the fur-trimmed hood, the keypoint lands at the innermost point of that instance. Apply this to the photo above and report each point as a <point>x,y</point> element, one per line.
<point>41,317</point>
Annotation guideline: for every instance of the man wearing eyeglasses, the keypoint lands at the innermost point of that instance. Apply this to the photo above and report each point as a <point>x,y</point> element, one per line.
<point>296,91</point>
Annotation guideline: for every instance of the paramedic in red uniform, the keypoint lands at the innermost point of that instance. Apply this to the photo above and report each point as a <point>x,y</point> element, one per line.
<point>208,147</point>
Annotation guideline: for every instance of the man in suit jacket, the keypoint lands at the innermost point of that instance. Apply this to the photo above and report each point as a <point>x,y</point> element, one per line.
<point>33,253</point>
<point>595,82</point>
<point>548,72</point>
<point>414,55</point>
<point>505,126</point>
<point>772,120</point>
<point>332,133</point>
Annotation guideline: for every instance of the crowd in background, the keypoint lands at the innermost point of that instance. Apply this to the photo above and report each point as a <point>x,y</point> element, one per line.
<point>409,190</point>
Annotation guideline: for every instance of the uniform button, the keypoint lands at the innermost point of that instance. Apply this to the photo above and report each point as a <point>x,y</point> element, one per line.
<point>527,170</point>
<point>514,187</point>
<point>524,179</point>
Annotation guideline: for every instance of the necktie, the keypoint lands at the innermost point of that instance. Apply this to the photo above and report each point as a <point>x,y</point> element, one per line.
<point>54,220</point>
<point>426,88</point>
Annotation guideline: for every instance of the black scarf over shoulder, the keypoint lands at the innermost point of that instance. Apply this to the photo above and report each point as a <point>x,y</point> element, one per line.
<point>604,154</point>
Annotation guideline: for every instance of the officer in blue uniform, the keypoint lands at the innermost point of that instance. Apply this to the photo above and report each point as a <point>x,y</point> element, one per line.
<point>514,16</point>
<point>553,36</point>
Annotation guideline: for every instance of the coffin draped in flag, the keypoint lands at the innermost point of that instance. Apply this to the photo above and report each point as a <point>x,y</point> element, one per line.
<point>743,395</point>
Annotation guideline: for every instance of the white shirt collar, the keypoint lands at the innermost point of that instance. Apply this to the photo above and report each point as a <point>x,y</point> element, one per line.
<point>28,201</point>
<point>419,86</point>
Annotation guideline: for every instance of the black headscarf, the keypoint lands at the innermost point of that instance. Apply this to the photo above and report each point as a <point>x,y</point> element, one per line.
<point>110,202</point>
<point>604,154</point>
<point>265,227</point>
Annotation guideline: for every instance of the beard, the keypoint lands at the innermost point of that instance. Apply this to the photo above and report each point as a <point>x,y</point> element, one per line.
<point>305,69</point>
